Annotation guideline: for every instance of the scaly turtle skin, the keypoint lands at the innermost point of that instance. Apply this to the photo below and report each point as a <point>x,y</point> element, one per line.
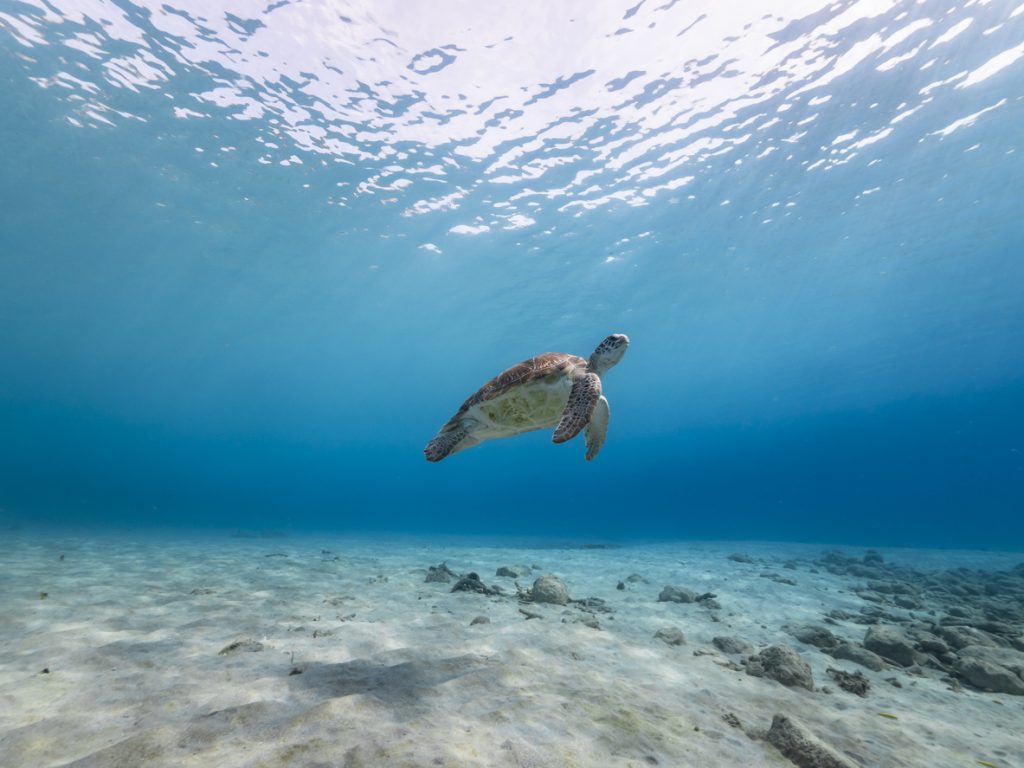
<point>550,390</point>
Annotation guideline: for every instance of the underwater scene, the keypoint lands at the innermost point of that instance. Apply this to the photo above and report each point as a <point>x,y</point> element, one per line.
<point>520,384</point>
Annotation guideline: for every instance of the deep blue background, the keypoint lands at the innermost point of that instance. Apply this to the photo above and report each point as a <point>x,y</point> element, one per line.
<point>928,471</point>
<point>220,348</point>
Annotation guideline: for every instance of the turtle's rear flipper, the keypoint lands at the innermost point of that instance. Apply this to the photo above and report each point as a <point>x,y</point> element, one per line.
<point>586,391</point>
<point>447,443</point>
<point>444,443</point>
<point>597,428</point>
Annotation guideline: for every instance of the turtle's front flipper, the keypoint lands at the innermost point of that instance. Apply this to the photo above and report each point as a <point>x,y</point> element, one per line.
<point>586,391</point>
<point>447,443</point>
<point>597,428</point>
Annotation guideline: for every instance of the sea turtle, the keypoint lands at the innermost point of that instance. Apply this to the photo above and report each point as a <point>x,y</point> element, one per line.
<point>547,390</point>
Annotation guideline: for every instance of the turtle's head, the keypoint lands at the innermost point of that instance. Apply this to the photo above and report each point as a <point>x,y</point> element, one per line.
<point>608,353</point>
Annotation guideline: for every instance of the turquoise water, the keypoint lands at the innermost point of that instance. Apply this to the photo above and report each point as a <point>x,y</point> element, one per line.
<point>253,255</point>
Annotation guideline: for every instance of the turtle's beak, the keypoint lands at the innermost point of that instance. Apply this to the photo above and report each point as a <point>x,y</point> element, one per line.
<point>608,353</point>
<point>615,346</point>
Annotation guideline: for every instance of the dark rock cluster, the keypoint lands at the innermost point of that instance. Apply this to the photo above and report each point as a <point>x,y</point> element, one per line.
<point>546,588</point>
<point>471,582</point>
<point>440,573</point>
<point>854,682</point>
<point>966,625</point>
<point>732,645</point>
<point>673,594</point>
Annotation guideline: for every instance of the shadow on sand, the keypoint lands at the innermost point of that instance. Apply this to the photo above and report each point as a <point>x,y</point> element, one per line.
<point>399,685</point>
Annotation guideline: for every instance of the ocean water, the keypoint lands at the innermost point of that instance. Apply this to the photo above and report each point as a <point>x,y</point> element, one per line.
<point>254,254</point>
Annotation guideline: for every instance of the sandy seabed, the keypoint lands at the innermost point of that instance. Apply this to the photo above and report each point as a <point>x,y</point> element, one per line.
<point>329,651</point>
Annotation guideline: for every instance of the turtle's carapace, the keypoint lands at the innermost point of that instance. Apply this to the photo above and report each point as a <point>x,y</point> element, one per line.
<point>550,390</point>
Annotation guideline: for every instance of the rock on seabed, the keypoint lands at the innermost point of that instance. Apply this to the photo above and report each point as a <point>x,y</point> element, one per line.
<point>890,643</point>
<point>672,594</point>
<point>803,747</point>
<point>781,663</point>
<point>549,589</point>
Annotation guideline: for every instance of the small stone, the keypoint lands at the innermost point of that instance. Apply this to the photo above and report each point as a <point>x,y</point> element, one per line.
<point>810,634</point>
<point>549,589</point>
<point>732,720</point>
<point>870,596</point>
<point>707,600</point>
<point>513,571</point>
<point>991,668</point>
<point>858,655</point>
<point>45,671</point>
<point>621,585</point>
<point>854,682</point>
<point>802,747</point>
<point>871,557</point>
<point>732,645</point>
<point>479,620</point>
<point>337,600</point>
<point>440,573</point>
<point>672,594</point>
<point>778,579</point>
<point>739,557</point>
<point>238,646</point>
<point>836,559</point>
<point>961,637</point>
<point>890,643</point>
<point>996,627</point>
<point>781,663</point>
<point>471,583</point>
<point>989,676</point>
<point>671,636</point>
<point>926,641</point>
<point>1010,658</point>
<point>592,605</point>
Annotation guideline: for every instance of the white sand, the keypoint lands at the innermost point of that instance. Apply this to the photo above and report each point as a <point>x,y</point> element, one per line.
<point>394,675</point>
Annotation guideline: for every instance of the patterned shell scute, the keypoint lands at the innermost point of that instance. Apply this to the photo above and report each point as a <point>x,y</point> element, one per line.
<point>553,364</point>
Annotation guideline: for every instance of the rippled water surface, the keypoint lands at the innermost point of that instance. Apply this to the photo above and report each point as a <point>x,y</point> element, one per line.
<point>255,254</point>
